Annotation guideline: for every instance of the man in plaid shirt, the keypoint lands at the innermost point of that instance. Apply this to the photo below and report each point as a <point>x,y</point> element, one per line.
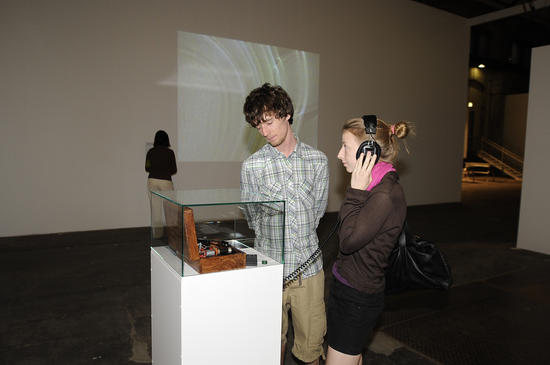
<point>290,170</point>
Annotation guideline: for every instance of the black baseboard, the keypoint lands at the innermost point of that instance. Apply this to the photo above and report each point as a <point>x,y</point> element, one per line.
<point>139,235</point>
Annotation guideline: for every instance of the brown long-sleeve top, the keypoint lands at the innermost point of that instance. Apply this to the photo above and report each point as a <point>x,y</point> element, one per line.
<point>370,224</point>
<point>160,163</point>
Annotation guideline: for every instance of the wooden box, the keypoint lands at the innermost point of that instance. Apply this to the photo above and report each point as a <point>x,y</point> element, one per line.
<point>182,238</point>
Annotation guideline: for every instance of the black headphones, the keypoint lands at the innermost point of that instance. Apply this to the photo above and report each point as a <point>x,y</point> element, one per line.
<point>370,144</point>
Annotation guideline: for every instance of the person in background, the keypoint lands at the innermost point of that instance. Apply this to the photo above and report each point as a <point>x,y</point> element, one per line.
<point>371,218</point>
<point>160,163</point>
<point>287,169</point>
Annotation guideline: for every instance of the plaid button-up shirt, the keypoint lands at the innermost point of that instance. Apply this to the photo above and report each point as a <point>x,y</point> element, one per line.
<point>301,180</point>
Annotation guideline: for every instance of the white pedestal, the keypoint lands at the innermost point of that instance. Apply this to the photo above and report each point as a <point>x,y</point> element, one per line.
<point>228,317</point>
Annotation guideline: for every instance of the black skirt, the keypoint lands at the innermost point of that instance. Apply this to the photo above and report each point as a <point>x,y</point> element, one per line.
<point>351,317</point>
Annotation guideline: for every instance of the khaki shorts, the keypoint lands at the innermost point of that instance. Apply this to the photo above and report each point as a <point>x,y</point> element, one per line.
<point>305,298</point>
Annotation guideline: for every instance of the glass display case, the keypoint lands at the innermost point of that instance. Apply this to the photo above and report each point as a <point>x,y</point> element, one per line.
<point>204,231</point>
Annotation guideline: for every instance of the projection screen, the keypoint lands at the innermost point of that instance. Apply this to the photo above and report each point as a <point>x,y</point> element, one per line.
<point>214,77</point>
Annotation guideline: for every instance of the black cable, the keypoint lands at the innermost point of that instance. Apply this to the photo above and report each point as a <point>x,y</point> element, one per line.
<point>314,256</point>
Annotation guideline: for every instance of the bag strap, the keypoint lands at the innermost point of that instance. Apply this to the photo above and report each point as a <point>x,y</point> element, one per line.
<point>402,241</point>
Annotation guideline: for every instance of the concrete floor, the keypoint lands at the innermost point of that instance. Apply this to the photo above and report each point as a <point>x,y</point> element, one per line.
<point>84,298</point>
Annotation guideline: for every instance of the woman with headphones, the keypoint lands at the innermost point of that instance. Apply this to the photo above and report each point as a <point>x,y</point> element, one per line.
<point>371,218</point>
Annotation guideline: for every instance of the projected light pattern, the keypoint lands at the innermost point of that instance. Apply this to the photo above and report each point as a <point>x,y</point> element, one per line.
<point>214,77</point>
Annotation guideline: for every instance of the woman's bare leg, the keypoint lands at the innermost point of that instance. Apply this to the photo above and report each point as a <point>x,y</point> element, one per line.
<point>335,357</point>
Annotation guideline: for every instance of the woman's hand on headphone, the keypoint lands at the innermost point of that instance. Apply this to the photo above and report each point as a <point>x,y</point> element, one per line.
<point>361,174</point>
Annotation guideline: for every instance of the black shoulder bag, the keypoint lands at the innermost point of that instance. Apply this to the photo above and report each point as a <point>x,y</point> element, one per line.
<point>416,263</point>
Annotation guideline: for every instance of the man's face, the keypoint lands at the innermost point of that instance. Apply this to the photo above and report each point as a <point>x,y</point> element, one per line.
<point>274,129</point>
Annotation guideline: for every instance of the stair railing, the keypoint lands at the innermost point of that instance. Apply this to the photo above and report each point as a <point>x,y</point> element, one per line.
<point>507,158</point>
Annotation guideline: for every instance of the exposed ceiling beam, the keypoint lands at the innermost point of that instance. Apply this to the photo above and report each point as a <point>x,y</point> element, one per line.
<point>494,3</point>
<point>508,12</point>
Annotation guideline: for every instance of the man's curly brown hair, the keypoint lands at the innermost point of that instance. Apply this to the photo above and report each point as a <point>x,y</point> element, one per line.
<point>267,99</point>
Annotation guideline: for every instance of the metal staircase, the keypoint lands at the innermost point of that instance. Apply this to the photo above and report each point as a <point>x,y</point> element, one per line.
<point>501,158</point>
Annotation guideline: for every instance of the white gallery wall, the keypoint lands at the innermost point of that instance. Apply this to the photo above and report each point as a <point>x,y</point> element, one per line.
<point>514,122</point>
<point>85,85</point>
<point>533,228</point>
